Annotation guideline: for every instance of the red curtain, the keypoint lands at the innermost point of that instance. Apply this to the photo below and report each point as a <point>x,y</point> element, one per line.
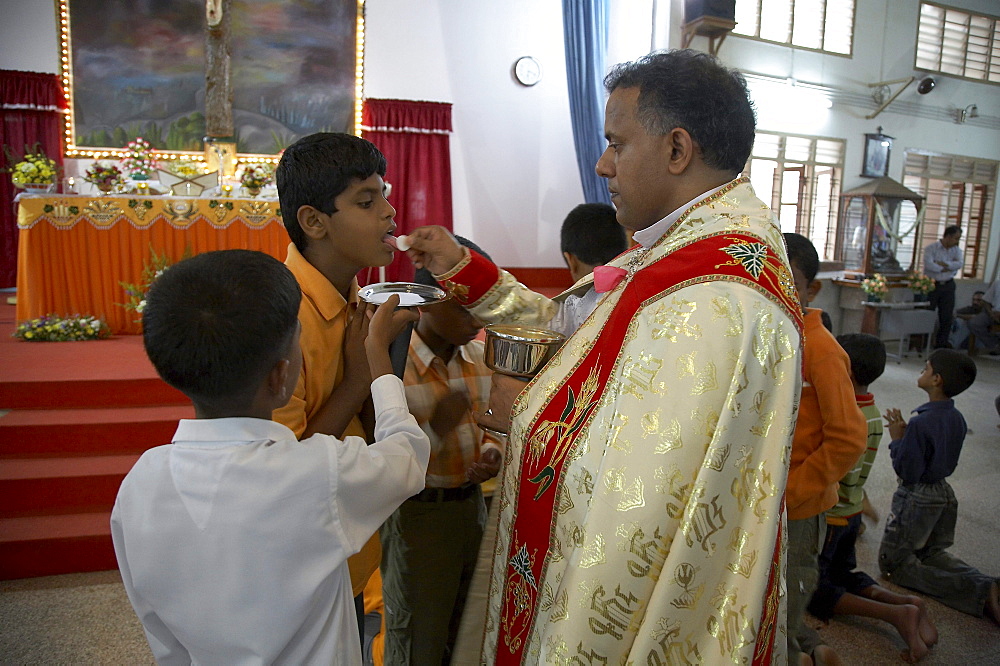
<point>413,136</point>
<point>29,113</point>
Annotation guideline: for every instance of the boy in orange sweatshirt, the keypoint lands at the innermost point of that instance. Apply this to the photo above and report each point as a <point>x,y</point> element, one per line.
<point>831,433</point>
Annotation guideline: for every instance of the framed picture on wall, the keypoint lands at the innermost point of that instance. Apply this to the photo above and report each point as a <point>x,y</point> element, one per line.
<point>876,160</point>
<point>139,69</point>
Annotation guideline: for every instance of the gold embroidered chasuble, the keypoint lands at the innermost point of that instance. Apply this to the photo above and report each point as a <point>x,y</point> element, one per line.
<point>659,500</point>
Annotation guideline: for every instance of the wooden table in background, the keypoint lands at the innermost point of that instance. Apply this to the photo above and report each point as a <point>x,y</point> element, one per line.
<point>74,251</point>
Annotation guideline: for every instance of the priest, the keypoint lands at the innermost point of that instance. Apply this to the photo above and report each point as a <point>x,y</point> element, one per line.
<point>641,500</point>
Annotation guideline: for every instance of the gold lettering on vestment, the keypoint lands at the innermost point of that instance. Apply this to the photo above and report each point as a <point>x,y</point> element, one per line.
<point>639,376</point>
<point>614,427</point>
<point>617,612</point>
<point>702,520</point>
<point>649,552</point>
<point>674,320</point>
<point>672,650</point>
<point>741,382</point>
<point>752,485</point>
<point>728,629</point>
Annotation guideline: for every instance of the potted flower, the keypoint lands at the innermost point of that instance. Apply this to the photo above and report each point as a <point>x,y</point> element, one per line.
<point>138,162</point>
<point>255,176</point>
<point>35,172</point>
<point>105,175</point>
<point>876,287</point>
<point>920,285</point>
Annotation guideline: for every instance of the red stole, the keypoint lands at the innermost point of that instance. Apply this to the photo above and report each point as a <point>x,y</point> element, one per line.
<point>553,431</point>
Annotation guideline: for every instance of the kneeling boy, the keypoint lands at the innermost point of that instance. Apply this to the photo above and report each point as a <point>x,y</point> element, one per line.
<point>233,540</point>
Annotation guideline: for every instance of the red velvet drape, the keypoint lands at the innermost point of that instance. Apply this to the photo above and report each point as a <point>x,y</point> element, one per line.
<point>414,137</point>
<point>29,113</point>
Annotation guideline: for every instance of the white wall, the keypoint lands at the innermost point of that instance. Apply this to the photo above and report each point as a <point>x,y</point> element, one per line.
<point>513,164</point>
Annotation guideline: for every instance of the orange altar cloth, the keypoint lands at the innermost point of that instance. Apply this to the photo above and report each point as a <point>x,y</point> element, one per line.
<point>74,251</point>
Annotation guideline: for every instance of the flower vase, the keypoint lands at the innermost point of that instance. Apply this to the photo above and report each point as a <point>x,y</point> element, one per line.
<point>139,176</point>
<point>873,298</point>
<point>920,298</point>
<point>36,188</point>
<point>253,191</point>
<point>105,188</point>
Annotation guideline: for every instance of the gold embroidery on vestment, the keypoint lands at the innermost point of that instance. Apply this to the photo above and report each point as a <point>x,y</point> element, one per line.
<point>685,575</point>
<point>668,434</point>
<point>674,320</point>
<point>744,563</point>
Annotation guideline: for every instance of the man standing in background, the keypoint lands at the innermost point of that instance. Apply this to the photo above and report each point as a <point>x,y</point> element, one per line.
<point>942,261</point>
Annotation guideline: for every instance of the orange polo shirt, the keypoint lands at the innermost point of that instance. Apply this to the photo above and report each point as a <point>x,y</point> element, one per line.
<point>831,433</point>
<point>323,315</point>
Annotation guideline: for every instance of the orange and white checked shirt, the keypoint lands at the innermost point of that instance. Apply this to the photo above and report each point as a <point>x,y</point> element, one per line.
<point>427,381</point>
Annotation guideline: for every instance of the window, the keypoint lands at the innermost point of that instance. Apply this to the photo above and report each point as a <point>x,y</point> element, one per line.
<point>959,43</point>
<point>959,190</point>
<point>824,25</point>
<point>800,177</point>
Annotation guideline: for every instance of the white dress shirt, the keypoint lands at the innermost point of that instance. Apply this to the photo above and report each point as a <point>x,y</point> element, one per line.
<point>574,309</point>
<point>950,256</point>
<point>233,540</point>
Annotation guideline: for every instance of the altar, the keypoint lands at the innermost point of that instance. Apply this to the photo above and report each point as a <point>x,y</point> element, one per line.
<point>75,251</point>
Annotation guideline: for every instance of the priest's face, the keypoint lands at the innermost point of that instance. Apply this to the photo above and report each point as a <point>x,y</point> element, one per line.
<point>635,164</point>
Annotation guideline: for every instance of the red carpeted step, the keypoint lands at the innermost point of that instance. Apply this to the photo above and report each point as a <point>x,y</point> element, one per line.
<point>51,545</point>
<point>101,373</point>
<point>50,486</point>
<point>68,432</point>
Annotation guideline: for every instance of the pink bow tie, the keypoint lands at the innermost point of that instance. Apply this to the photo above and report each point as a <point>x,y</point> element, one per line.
<point>607,278</point>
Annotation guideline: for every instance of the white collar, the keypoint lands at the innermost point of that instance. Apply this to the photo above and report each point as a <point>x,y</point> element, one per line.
<point>647,237</point>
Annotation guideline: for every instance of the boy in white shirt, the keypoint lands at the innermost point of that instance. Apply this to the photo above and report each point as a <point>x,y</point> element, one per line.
<point>233,540</point>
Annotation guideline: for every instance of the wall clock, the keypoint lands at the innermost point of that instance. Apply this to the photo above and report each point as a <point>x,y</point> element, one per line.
<point>527,71</point>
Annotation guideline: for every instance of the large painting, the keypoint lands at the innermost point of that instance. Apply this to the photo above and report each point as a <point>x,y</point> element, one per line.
<point>137,68</point>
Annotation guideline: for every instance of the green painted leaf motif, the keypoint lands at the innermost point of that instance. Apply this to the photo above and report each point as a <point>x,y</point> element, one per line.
<point>750,255</point>
<point>48,208</point>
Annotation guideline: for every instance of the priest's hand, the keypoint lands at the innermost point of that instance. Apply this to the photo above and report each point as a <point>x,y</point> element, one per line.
<point>435,249</point>
<point>503,391</point>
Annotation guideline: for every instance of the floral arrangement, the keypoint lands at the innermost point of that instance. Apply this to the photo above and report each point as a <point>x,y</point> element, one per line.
<point>876,286</point>
<point>920,283</point>
<point>105,175</point>
<point>35,168</point>
<point>135,294</point>
<point>53,328</point>
<point>255,176</point>
<point>138,162</point>
<point>186,168</point>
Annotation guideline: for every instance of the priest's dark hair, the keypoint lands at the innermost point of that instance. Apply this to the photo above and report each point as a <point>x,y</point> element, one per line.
<point>314,170</point>
<point>424,276</point>
<point>693,91</point>
<point>802,253</point>
<point>867,354</point>
<point>216,324</point>
<point>592,234</point>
